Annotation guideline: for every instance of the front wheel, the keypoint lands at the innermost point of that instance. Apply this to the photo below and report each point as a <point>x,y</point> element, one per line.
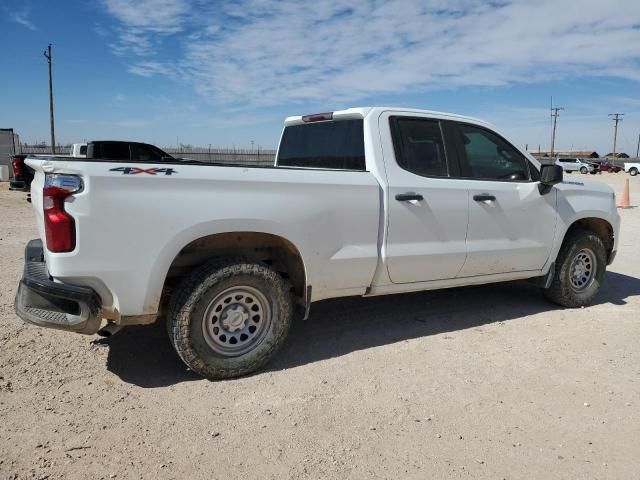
<point>633,172</point>
<point>579,270</point>
<point>228,319</point>
<point>584,170</point>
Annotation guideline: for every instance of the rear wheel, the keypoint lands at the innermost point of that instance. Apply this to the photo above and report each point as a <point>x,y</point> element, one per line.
<point>633,171</point>
<point>579,270</point>
<point>229,319</point>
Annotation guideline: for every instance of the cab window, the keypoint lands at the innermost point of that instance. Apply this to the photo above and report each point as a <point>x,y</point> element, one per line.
<point>419,146</point>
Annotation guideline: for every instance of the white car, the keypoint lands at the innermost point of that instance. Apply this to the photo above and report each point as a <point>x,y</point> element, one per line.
<point>632,168</point>
<point>575,165</point>
<point>364,201</point>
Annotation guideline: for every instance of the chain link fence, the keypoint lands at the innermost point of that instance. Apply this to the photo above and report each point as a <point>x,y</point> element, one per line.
<point>230,156</point>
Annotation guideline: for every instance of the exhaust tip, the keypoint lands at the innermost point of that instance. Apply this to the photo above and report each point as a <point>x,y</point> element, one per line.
<point>109,330</point>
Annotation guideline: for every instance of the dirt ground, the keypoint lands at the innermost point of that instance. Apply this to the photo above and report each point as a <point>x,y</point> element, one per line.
<point>483,382</point>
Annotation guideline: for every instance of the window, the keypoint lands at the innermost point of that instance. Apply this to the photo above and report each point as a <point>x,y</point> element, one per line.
<point>108,150</point>
<point>535,173</point>
<point>83,149</point>
<point>418,146</point>
<point>144,153</point>
<point>488,156</point>
<point>335,145</point>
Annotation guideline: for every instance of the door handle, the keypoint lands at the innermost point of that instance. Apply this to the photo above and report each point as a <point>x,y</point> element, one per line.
<point>484,197</point>
<point>405,197</point>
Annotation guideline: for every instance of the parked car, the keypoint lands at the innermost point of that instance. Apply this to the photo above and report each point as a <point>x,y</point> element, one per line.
<point>102,149</point>
<point>632,168</point>
<point>364,201</point>
<point>607,166</point>
<point>22,174</point>
<point>575,165</point>
<point>596,168</point>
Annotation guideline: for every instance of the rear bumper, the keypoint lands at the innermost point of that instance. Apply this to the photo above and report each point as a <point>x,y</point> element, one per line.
<point>18,185</point>
<point>44,302</point>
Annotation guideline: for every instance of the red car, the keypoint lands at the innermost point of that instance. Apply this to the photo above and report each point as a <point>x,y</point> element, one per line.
<point>607,166</point>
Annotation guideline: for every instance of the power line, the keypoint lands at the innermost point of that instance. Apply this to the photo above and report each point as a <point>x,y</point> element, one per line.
<point>617,118</point>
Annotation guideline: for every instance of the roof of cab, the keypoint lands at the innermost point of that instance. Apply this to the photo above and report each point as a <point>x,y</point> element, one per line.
<point>362,112</point>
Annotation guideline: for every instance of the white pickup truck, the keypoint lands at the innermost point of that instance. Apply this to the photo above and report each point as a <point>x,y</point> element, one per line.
<point>632,168</point>
<point>364,201</point>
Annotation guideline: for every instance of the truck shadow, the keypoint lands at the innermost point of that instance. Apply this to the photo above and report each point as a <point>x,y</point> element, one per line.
<point>143,355</point>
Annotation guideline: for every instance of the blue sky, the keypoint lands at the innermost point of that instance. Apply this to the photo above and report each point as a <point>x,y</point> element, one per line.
<point>227,73</point>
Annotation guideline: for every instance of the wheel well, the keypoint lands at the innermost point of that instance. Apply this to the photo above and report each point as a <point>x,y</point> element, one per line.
<point>600,227</point>
<point>275,251</point>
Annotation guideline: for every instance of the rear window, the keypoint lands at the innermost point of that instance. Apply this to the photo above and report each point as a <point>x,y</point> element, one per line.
<point>330,145</point>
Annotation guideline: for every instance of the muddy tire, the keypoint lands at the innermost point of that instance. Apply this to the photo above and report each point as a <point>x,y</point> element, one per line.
<point>579,270</point>
<point>228,319</point>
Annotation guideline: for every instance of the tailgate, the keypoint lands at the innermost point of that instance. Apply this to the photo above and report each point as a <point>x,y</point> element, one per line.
<point>36,191</point>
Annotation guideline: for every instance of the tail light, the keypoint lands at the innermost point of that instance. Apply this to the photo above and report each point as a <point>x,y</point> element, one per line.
<point>17,163</point>
<point>59,226</point>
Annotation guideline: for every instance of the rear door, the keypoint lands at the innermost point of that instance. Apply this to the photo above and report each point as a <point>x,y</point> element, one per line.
<point>428,208</point>
<point>511,224</point>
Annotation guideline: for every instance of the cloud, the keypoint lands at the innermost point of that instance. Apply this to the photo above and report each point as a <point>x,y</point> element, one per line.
<point>21,17</point>
<point>150,68</point>
<point>269,52</point>
<point>161,16</point>
<point>143,21</point>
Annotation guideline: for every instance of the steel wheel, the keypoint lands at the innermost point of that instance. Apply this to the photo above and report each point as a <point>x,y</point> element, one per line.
<point>582,270</point>
<point>236,321</point>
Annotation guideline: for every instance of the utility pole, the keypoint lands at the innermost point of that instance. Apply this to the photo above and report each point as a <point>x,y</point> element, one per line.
<point>47,54</point>
<point>617,118</point>
<point>638,147</point>
<point>554,117</point>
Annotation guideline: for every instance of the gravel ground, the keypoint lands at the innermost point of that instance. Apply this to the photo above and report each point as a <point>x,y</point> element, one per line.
<point>483,382</point>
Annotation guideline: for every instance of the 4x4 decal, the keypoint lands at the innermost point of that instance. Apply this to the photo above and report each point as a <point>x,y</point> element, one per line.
<point>137,170</point>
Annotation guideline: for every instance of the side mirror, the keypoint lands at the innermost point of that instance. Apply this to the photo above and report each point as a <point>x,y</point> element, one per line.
<point>549,176</point>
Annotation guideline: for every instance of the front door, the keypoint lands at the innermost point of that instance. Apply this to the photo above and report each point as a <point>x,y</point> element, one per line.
<point>511,224</point>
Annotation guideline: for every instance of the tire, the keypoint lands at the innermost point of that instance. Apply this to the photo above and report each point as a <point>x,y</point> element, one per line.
<point>203,322</point>
<point>584,170</point>
<point>572,291</point>
<point>633,172</point>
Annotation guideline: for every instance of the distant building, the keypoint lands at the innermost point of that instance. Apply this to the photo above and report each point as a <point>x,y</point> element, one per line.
<point>570,154</point>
